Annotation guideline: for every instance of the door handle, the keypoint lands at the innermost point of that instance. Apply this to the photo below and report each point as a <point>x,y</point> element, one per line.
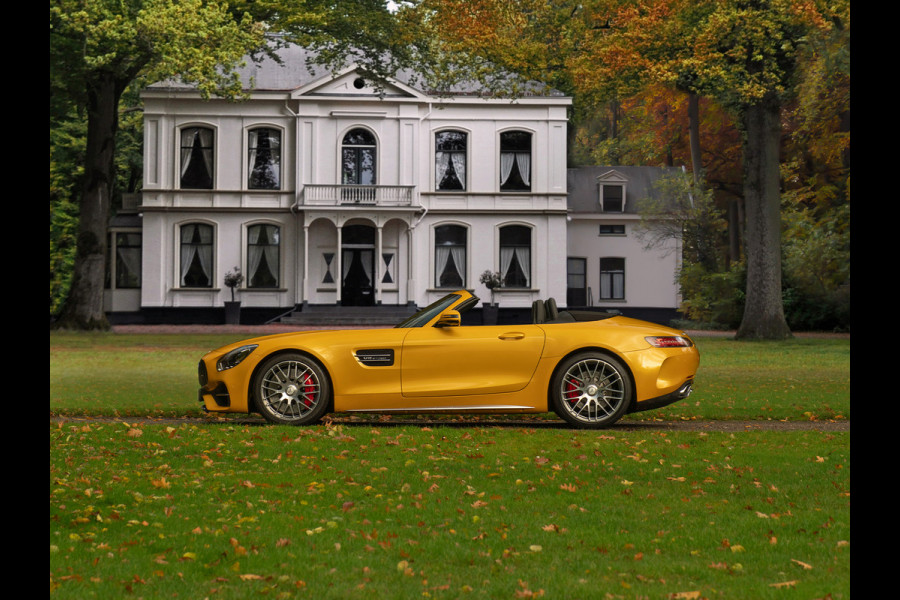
<point>512,335</point>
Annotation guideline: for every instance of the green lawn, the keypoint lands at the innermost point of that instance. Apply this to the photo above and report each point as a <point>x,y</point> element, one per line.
<point>400,510</point>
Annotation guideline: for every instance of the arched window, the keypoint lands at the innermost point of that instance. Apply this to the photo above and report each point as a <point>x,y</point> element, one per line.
<point>197,158</point>
<point>515,256</point>
<point>450,160</point>
<point>263,256</point>
<point>196,255</point>
<point>264,161</point>
<point>358,155</point>
<point>515,161</point>
<point>450,256</point>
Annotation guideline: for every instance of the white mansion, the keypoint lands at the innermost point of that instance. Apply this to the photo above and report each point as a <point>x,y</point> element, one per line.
<point>325,190</point>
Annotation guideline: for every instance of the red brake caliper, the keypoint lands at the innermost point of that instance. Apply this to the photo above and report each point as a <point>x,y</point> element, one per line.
<point>570,388</point>
<point>308,390</point>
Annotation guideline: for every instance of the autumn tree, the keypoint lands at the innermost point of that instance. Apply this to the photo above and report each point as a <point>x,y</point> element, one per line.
<point>745,54</point>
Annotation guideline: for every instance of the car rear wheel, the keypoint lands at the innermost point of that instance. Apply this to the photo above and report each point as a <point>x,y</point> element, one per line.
<point>291,389</point>
<point>591,390</point>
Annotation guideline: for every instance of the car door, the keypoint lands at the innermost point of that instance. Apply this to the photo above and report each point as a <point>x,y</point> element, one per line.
<point>469,360</point>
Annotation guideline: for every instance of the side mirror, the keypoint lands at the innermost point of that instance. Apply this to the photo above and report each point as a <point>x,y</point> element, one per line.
<point>449,318</point>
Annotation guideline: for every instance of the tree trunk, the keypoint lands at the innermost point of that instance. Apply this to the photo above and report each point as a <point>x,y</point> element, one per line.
<point>84,305</point>
<point>764,309</point>
<point>694,136</point>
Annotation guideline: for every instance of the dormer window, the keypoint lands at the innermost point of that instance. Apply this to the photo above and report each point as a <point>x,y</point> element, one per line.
<point>612,197</point>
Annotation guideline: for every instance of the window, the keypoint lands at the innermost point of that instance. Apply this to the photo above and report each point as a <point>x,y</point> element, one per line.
<point>265,159</point>
<point>196,255</point>
<point>612,230</point>
<point>197,158</point>
<point>515,161</point>
<point>125,260</point>
<point>450,256</point>
<point>263,250</point>
<point>450,160</point>
<point>358,158</point>
<point>612,278</point>
<point>515,256</point>
<point>612,198</point>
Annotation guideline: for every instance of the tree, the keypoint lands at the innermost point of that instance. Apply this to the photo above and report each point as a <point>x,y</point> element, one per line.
<point>745,54</point>
<point>98,48</point>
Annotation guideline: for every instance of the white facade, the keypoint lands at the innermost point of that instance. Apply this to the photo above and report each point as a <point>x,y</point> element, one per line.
<point>349,232</point>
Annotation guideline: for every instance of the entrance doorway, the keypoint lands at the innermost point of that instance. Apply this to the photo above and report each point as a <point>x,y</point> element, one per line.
<point>358,265</point>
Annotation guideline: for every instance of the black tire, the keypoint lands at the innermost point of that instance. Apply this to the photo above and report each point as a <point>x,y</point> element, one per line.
<point>591,390</point>
<point>291,389</point>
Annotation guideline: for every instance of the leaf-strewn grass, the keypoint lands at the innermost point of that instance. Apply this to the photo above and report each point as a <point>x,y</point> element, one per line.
<point>401,512</point>
<point>397,510</point>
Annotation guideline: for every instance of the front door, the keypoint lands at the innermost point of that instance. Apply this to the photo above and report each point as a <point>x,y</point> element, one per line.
<point>358,265</point>
<point>358,284</point>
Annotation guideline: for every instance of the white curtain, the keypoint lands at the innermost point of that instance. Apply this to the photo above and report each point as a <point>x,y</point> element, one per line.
<point>253,141</point>
<point>523,255</point>
<point>523,159</point>
<point>506,256</point>
<point>507,159</point>
<point>459,165</point>
<point>441,256</point>
<point>441,166</point>
<point>131,258</point>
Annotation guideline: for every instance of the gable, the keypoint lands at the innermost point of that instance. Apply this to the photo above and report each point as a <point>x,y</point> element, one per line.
<point>350,83</point>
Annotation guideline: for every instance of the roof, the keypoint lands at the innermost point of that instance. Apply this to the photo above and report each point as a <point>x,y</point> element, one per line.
<point>583,185</point>
<point>294,69</point>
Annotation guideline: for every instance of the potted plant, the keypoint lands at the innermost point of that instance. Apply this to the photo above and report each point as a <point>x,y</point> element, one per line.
<point>491,280</point>
<point>233,279</point>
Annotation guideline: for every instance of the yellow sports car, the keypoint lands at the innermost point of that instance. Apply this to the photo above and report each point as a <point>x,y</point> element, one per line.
<point>590,368</point>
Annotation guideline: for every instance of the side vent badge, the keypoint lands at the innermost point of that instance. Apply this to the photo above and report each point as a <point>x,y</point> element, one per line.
<point>375,358</point>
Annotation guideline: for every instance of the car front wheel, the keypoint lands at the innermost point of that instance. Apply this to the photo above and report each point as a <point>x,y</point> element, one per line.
<point>591,390</point>
<point>291,389</point>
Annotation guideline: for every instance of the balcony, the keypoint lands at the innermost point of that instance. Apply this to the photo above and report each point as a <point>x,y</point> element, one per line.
<point>357,195</point>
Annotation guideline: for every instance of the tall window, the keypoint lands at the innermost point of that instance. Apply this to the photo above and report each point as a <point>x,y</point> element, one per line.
<point>515,256</point>
<point>265,159</point>
<point>263,244</point>
<point>125,260</point>
<point>450,256</point>
<point>450,160</point>
<point>196,255</point>
<point>612,278</point>
<point>515,161</point>
<point>358,158</point>
<point>197,158</point>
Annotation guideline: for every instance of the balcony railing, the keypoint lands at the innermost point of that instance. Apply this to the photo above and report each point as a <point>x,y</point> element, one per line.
<point>365,195</point>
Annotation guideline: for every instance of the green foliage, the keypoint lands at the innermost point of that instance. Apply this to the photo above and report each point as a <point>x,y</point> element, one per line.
<point>713,298</point>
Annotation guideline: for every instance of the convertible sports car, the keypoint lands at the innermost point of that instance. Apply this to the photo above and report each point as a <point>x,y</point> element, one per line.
<point>590,368</point>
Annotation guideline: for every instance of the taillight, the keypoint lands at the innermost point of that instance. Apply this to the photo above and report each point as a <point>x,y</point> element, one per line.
<point>669,341</point>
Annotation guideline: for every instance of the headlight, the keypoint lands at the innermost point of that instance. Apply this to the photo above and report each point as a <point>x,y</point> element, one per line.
<point>234,358</point>
<point>669,341</point>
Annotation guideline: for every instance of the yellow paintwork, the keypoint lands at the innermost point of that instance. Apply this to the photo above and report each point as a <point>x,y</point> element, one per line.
<point>499,368</point>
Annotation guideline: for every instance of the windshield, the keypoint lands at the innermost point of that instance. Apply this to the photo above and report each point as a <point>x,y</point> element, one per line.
<point>428,313</point>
